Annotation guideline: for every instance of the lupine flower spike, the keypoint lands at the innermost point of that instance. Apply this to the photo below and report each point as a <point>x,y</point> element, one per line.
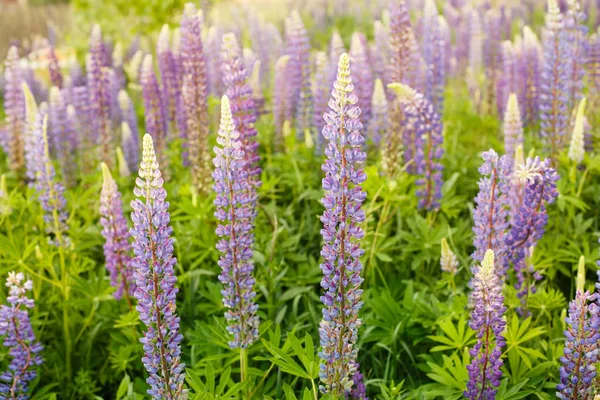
<point>513,127</point>
<point>448,262</point>
<point>488,323</point>
<point>234,212</point>
<point>578,369</point>
<point>491,211</point>
<point>19,337</point>
<point>155,280</point>
<point>341,231</point>
<point>576,149</point>
<point>117,249</point>
<point>14,109</point>
<point>554,82</point>
<point>429,142</point>
<point>379,107</point>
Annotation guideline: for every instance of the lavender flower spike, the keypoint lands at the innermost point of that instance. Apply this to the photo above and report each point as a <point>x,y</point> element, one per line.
<point>14,108</point>
<point>578,369</point>
<point>130,137</point>
<point>486,320</point>
<point>448,261</point>
<point>513,127</point>
<point>341,231</point>
<point>234,212</point>
<point>379,107</point>
<point>491,213</point>
<point>576,149</point>
<point>155,280</point>
<point>429,141</point>
<point>19,338</point>
<point>554,82</point>
<point>117,249</point>
<point>155,110</point>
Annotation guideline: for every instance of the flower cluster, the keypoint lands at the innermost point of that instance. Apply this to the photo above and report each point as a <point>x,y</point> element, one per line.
<point>529,71</point>
<point>429,141</point>
<point>434,49</point>
<point>577,148</point>
<point>156,114</point>
<point>130,141</point>
<point>117,249</point>
<point>239,92</point>
<point>155,280</point>
<point>554,81</point>
<point>488,323</point>
<point>194,95</point>
<point>341,231</point>
<point>512,127</point>
<point>14,109</point>
<point>491,211</point>
<point>448,261</point>
<point>234,210</point>
<point>280,95</point>
<point>379,108</point>
<point>362,77</point>
<point>63,133</point>
<point>19,337</point>
<point>359,390</point>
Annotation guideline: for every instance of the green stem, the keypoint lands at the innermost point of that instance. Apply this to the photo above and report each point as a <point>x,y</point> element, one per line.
<point>244,370</point>
<point>314,389</point>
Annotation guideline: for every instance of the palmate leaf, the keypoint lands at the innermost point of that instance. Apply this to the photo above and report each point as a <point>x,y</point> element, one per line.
<point>456,338</point>
<point>215,386</point>
<point>452,376</point>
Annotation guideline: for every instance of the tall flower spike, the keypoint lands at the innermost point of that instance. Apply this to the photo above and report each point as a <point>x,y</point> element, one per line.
<point>31,122</point>
<point>321,90</point>
<point>155,112</point>
<point>512,127</point>
<point>99,99</point>
<point>576,33</point>
<point>554,82</point>
<point>130,137</point>
<point>448,261</point>
<point>117,249</point>
<point>195,95</point>
<point>381,35</point>
<point>378,126</point>
<point>529,222</point>
<point>507,82</point>
<point>235,78</point>
<point>578,369</point>
<point>56,77</point>
<point>235,230</point>
<point>362,77</point>
<point>254,80</point>
<point>341,232</point>
<point>434,49</point>
<point>155,280</point>
<point>491,212</point>
<point>421,116</point>
<point>576,149</point>
<point>486,320</point>
<point>14,109</point>
<point>170,88</point>
<point>19,337</point>
<point>492,57</point>
<point>63,134</point>
<point>280,96</point>
<point>530,73</point>
<point>50,191</point>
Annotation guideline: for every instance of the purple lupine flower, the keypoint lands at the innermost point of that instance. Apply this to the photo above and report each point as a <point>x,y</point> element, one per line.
<point>80,100</point>
<point>341,232</point>
<point>155,114</point>
<point>50,191</point>
<point>488,323</point>
<point>117,249</point>
<point>239,92</point>
<point>19,337</point>
<point>155,280</point>
<point>99,100</point>
<point>32,120</point>
<point>381,35</point>
<point>320,90</point>
<point>530,75</point>
<point>336,49</point>
<point>359,390</point>
<point>194,95</point>
<point>592,62</point>
<point>130,136</point>
<point>490,216</point>
<point>434,49</point>
<point>298,48</point>
<point>280,96</point>
<point>578,369</point>
<point>255,84</point>
<point>507,81</point>
<point>76,75</point>
<point>14,109</point>
<point>492,57</point>
<point>554,81</point>
<point>234,210</point>
<point>474,35</point>
<point>63,136</point>
<point>56,77</point>
<point>362,77</point>
<point>576,33</point>
<point>118,65</point>
<point>512,127</point>
<point>170,91</point>
<point>429,143</point>
<point>214,38</point>
<point>529,222</point>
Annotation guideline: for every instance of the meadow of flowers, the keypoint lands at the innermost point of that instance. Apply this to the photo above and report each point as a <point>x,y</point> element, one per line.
<point>344,199</point>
